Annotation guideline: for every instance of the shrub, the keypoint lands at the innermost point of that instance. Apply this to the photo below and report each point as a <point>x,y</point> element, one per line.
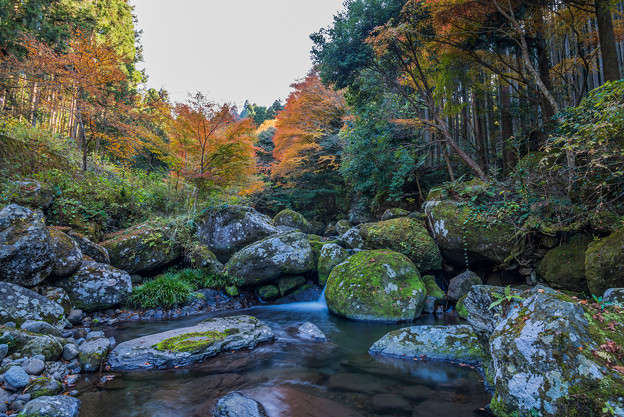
<point>164,291</point>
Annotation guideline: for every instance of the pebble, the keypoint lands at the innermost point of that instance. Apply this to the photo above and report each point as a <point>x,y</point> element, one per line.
<point>33,366</point>
<point>75,316</point>
<point>70,351</point>
<point>17,377</point>
<point>57,376</point>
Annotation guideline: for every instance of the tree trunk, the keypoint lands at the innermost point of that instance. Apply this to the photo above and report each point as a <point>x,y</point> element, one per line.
<point>608,49</point>
<point>506,125</point>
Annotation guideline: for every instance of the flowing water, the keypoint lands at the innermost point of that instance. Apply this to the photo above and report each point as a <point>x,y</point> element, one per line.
<point>291,377</point>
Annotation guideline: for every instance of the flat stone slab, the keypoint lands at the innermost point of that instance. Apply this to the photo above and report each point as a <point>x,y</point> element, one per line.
<point>188,345</point>
<point>458,344</point>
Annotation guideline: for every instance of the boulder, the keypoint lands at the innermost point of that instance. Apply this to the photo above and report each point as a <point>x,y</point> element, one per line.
<point>378,285</point>
<point>406,236</point>
<point>54,406</point>
<point>330,230</point>
<point>478,312</point>
<point>66,251</point>
<point>269,292</point>
<point>604,263</point>
<point>290,218</point>
<point>26,255</point>
<point>458,234</point>
<point>563,267</point>
<point>236,405</point>
<point>614,295</point>
<point>31,344</point>
<point>59,296</point>
<point>457,344</point>
<point>353,239</point>
<point>433,289</point>
<point>460,285</point>
<point>360,209</point>
<point>342,226</point>
<point>184,346</point>
<point>16,377</point>
<point>309,331</point>
<point>331,255</point>
<point>93,352</point>
<point>92,250</point>
<point>97,286</point>
<point>202,257</point>
<point>394,213</point>
<point>18,304</point>
<point>40,327</point>
<point>226,230</point>
<point>43,387</point>
<point>33,194</point>
<point>286,253</point>
<point>289,284</point>
<point>551,357</point>
<point>142,248</point>
<point>316,243</point>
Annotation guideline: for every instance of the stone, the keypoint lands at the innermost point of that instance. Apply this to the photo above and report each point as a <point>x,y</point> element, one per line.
<point>612,295</point>
<point>458,235</point>
<point>360,209</point>
<point>352,239</point>
<point>458,344</point>
<point>188,345</point>
<point>269,292</point>
<point>33,366</point>
<point>44,387</point>
<point>342,227</point>
<point>460,285</point>
<point>292,219</point>
<point>289,284</point>
<point>59,296</point>
<point>93,352</point>
<point>377,285</point>
<point>226,230</point>
<point>330,256</point>
<point>478,312</point>
<point>330,230</point>
<point>26,255</point>
<point>286,253</point>
<point>406,236</point>
<point>17,377</point>
<point>306,293</point>
<point>4,350</point>
<point>16,406</point>
<point>40,327</point>
<point>563,267</point>
<point>548,358</point>
<point>31,344</point>
<point>75,316</point>
<point>433,289</point>
<point>604,263</point>
<point>231,291</point>
<point>202,257</point>
<point>391,404</point>
<point>66,251</point>
<point>236,405</point>
<point>394,213</point>
<point>94,251</point>
<point>97,286</point>
<point>18,304</point>
<point>33,194</point>
<point>52,406</point>
<point>70,351</point>
<point>309,331</point>
<point>142,248</point>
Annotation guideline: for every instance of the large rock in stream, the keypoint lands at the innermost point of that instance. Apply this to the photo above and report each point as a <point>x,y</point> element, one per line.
<point>18,304</point>
<point>26,255</point>
<point>554,356</point>
<point>378,285</point>
<point>286,253</point>
<point>226,230</point>
<point>187,345</point>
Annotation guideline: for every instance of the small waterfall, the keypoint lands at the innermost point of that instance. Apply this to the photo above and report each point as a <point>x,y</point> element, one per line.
<point>318,305</point>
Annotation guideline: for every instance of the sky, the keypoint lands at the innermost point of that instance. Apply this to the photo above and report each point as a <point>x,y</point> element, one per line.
<point>230,50</point>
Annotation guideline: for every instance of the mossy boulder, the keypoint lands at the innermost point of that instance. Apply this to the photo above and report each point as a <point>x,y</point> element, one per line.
<point>92,250</point>
<point>550,357</point>
<point>18,304</point>
<point>376,285</point>
<point>433,289</point>
<point>477,306</point>
<point>289,284</point>
<point>66,251</point>
<point>342,226</point>
<point>52,406</point>
<point>352,239</point>
<point>563,267</point>
<point>33,194</point>
<point>26,255</point>
<point>604,263</point>
<point>331,255</point>
<point>461,284</point>
<point>287,253</point>
<point>291,218</point>
<point>406,236</point>
<point>43,386</point>
<point>457,344</point>
<point>190,344</point>
<point>142,248</point>
<point>97,286</point>
<point>316,243</point>
<point>605,222</point>
<point>59,296</point>
<point>458,233</point>
<point>394,213</point>
<point>92,353</point>
<point>202,257</point>
<point>269,292</point>
<point>226,230</point>
<point>31,344</point>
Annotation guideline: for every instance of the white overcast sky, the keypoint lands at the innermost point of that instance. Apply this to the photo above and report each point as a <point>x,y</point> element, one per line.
<point>230,50</point>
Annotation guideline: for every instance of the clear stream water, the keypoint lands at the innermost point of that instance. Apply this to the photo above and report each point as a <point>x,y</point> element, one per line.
<point>291,377</point>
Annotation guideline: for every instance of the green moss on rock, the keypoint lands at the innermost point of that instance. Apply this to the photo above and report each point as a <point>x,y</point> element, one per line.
<point>433,290</point>
<point>193,342</point>
<point>269,292</point>
<point>563,267</point>
<point>604,263</point>
<point>331,255</point>
<point>461,308</point>
<point>406,236</point>
<point>376,285</point>
<point>291,218</point>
